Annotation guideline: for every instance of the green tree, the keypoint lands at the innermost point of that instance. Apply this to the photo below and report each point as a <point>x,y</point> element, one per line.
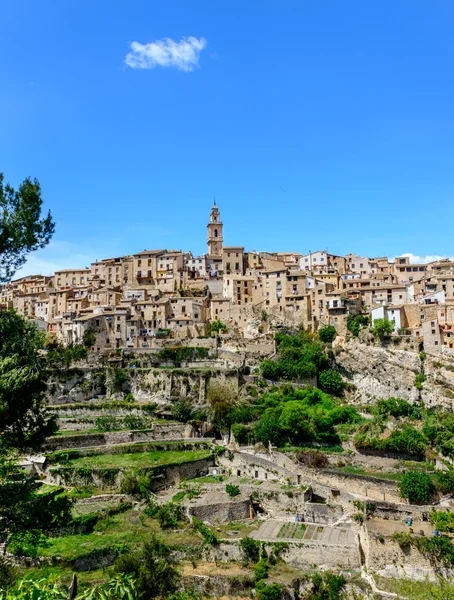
<point>25,514</point>
<point>327,333</point>
<point>267,428</point>
<point>417,487</point>
<point>216,327</point>
<point>355,322</point>
<point>331,382</point>
<point>89,338</point>
<point>383,327</point>
<point>22,229</point>
<point>152,567</point>
<point>295,422</point>
<point>24,420</point>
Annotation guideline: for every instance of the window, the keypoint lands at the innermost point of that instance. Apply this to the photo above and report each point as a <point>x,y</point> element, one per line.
<point>216,234</point>
<point>139,263</point>
<point>436,343</point>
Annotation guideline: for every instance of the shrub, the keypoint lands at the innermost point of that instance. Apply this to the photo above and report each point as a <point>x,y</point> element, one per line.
<point>397,407</point>
<point>208,535</point>
<point>89,338</point>
<point>419,380</point>
<point>443,520</point>
<point>407,440</point>
<point>268,592</point>
<point>120,377</point>
<point>417,487</point>
<point>182,411</point>
<point>251,549</point>
<point>327,333</point>
<point>232,490</point>
<point>261,570</point>
<point>241,433</point>
<point>130,485</point>
<point>328,586</point>
<point>331,382</point>
<point>152,567</point>
<point>355,322</point>
<point>107,423</point>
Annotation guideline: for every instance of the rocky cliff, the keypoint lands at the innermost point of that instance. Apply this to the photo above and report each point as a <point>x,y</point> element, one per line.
<point>379,371</point>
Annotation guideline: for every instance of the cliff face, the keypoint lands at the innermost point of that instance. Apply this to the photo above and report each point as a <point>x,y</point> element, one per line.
<point>379,372</point>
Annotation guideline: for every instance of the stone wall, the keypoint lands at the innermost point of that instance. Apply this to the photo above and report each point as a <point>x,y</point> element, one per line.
<point>162,477</point>
<point>217,507</point>
<point>158,432</point>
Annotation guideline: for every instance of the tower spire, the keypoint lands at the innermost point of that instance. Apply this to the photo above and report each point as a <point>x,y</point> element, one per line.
<point>215,232</point>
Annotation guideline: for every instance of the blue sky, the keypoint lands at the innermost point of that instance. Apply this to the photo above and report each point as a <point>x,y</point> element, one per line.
<point>315,123</point>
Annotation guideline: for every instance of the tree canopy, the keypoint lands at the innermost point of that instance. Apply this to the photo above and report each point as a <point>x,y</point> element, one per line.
<point>22,229</point>
<point>24,421</point>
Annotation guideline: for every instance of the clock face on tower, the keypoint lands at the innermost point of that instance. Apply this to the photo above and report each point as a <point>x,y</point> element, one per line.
<point>215,233</point>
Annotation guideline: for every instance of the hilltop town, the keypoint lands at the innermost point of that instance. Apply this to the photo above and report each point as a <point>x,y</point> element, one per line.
<point>277,424</point>
<point>130,301</point>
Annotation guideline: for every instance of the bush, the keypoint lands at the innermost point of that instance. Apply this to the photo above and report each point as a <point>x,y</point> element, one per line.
<point>407,440</point>
<point>153,568</point>
<point>182,411</point>
<point>268,592</point>
<point>331,382</point>
<point>355,322</point>
<point>130,485</point>
<point>232,490</point>
<point>417,487</point>
<point>251,549</point>
<point>208,535</point>
<point>327,333</point>
<point>328,586</point>
<point>89,338</point>
<point>419,380</point>
<point>241,433</point>
<point>261,570</point>
<point>397,407</point>
<point>168,514</point>
<point>299,357</point>
<point>382,328</point>
<point>443,520</point>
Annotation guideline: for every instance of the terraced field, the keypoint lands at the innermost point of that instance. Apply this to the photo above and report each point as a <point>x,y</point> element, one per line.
<point>138,459</point>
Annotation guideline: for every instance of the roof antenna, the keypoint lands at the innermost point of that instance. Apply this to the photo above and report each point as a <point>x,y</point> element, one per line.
<point>215,200</point>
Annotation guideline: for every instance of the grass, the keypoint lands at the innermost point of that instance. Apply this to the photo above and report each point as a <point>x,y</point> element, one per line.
<point>212,479</point>
<point>65,574</point>
<point>48,487</point>
<point>138,459</point>
<point>362,472</point>
<point>334,449</point>
<point>416,590</point>
<point>129,529</point>
<point>242,527</point>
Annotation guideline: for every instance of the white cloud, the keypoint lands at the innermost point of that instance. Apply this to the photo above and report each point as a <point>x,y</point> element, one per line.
<point>183,55</point>
<point>414,259</point>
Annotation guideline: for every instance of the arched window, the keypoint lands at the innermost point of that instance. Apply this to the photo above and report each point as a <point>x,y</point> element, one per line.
<point>215,233</point>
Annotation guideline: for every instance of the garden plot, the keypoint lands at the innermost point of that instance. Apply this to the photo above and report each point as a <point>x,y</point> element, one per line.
<point>275,530</point>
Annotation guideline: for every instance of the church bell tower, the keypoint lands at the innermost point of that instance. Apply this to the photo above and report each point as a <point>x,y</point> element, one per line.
<point>215,233</point>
